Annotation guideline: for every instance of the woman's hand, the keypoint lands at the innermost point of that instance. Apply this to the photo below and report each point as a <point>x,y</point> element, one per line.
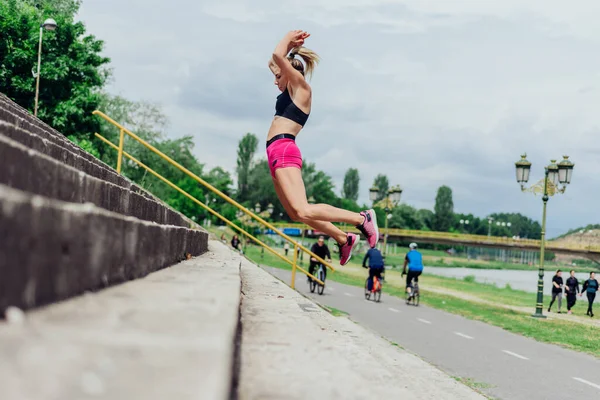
<point>296,38</point>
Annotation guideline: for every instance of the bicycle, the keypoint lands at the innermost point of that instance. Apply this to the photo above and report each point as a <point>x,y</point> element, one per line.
<point>319,274</point>
<point>414,295</point>
<point>375,290</point>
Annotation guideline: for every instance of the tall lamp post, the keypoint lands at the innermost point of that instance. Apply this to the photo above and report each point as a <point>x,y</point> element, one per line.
<point>463,222</point>
<point>548,186</point>
<point>50,25</point>
<point>391,200</point>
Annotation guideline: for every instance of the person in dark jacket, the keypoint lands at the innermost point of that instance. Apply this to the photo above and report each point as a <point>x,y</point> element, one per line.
<point>320,249</point>
<point>590,287</point>
<point>571,290</point>
<point>557,290</point>
<point>376,265</point>
<point>235,242</point>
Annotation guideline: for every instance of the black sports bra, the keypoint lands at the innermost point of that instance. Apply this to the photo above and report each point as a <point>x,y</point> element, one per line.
<point>286,108</point>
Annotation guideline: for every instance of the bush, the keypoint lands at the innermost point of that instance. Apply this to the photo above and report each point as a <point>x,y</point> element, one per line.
<point>469,278</point>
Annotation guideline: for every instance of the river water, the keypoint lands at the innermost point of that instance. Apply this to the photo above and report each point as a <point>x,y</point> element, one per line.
<point>518,279</point>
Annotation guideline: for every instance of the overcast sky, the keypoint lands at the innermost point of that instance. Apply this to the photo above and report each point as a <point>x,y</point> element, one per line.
<point>428,92</point>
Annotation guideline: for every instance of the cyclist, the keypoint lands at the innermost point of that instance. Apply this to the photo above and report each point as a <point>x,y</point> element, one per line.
<point>376,265</point>
<point>320,249</point>
<point>414,260</point>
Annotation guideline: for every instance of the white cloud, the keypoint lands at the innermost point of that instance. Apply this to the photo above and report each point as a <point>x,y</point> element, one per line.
<point>429,92</point>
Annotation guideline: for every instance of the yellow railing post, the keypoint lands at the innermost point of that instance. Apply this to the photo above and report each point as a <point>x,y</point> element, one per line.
<point>293,285</point>
<point>120,154</point>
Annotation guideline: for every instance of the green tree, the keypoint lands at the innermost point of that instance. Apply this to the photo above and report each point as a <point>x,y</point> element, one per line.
<point>245,154</point>
<point>72,73</point>
<point>443,210</point>
<point>318,185</point>
<point>351,185</point>
<point>220,179</point>
<point>142,118</point>
<point>383,184</point>
<point>405,216</point>
<point>183,204</point>
<point>263,191</point>
<point>427,217</point>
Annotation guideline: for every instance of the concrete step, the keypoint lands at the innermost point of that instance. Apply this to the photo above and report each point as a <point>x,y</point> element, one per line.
<point>66,152</point>
<point>169,335</point>
<point>20,112</point>
<point>13,114</point>
<point>26,169</point>
<point>293,349</point>
<point>51,250</point>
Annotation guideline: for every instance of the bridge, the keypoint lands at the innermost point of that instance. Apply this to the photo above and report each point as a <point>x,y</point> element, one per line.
<point>450,238</point>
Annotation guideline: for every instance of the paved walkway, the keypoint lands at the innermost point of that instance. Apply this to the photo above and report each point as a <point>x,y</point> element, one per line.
<point>502,364</point>
<point>293,349</point>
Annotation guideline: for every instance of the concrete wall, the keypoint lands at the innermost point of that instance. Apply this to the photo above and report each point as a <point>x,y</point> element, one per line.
<point>51,250</point>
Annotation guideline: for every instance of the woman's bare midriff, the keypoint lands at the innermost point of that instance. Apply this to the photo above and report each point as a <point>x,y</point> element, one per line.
<point>283,125</point>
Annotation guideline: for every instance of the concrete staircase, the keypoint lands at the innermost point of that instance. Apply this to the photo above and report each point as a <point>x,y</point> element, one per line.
<point>69,223</point>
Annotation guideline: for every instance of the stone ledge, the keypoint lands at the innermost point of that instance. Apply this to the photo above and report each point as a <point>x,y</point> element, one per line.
<point>52,250</point>
<point>26,169</point>
<point>169,335</point>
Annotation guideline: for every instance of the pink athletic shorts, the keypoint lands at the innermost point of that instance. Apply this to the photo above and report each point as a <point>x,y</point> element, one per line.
<point>282,152</point>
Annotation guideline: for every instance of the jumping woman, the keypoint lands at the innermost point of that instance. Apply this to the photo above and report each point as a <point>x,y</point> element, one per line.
<point>285,160</point>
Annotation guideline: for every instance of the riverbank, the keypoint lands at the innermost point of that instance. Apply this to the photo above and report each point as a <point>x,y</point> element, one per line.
<point>503,307</point>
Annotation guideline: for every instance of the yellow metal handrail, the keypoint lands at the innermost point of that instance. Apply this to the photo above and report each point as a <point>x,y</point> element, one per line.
<point>469,237</point>
<point>192,198</point>
<point>216,191</point>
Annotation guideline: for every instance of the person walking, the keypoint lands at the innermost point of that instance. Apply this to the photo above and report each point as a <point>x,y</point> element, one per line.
<point>286,248</point>
<point>557,289</point>
<point>235,242</point>
<point>590,287</point>
<point>571,290</point>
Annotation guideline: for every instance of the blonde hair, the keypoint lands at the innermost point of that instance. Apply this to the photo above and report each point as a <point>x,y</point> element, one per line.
<point>310,58</point>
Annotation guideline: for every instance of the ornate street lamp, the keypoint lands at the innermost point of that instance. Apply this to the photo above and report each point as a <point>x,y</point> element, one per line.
<point>391,200</point>
<point>554,174</point>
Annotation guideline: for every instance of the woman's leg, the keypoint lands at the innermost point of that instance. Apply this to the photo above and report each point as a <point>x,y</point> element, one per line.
<point>559,301</point>
<point>591,297</point>
<point>327,227</point>
<point>290,190</point>
<point>552,301</point>
<point>292,187</point>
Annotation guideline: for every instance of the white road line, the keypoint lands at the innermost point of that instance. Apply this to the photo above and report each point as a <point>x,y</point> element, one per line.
<point>587,382</point>
<point>348,294</point>
<point>463,335</point>
<point>424,321</point>
<point>393,309</point>
<point>515,355</point>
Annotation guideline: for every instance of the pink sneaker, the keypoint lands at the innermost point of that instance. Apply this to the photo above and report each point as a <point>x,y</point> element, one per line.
<point>369,227</point>
<point>346,249</point>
